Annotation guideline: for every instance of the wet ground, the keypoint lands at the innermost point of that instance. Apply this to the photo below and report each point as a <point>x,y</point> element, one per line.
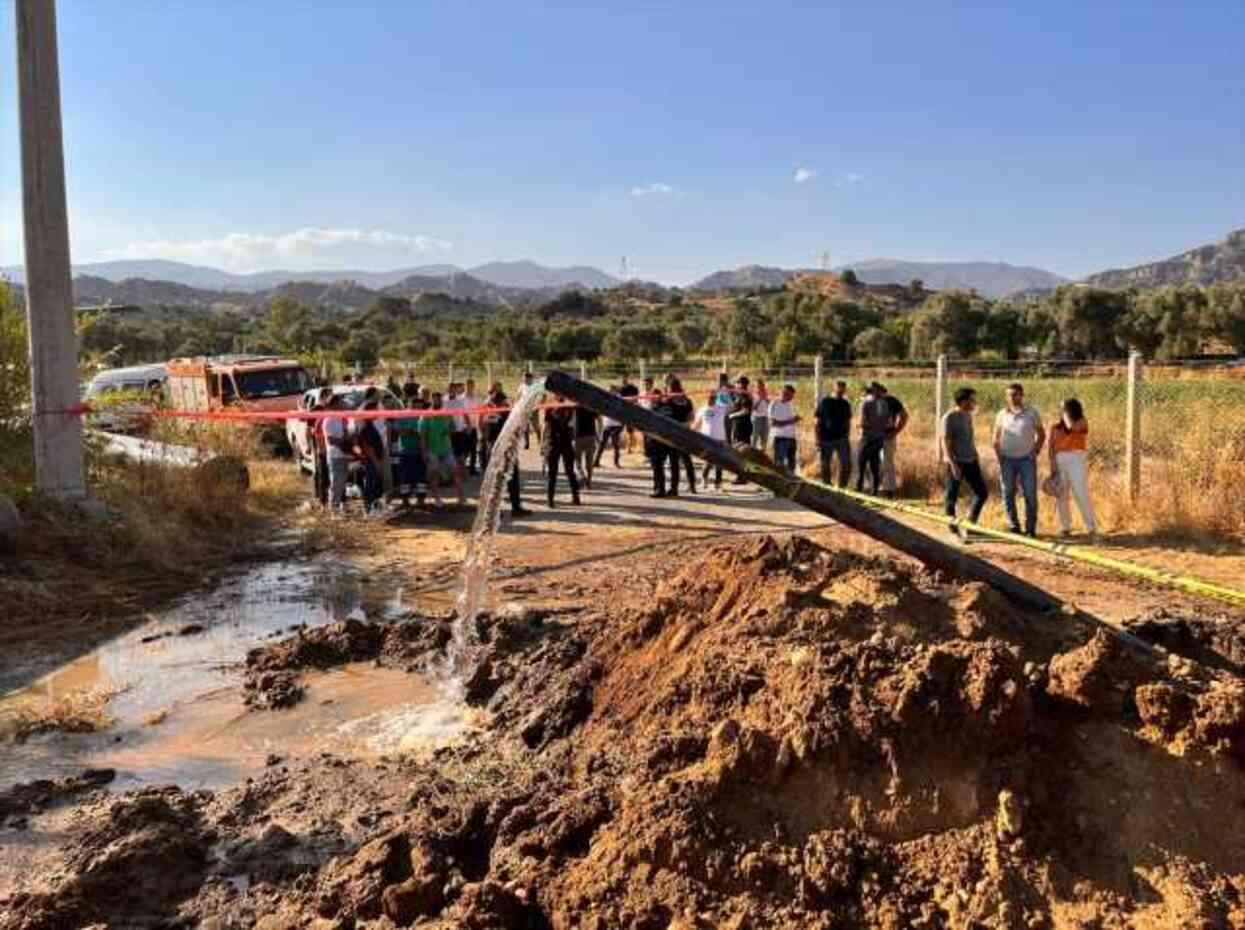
<point>173,689</point>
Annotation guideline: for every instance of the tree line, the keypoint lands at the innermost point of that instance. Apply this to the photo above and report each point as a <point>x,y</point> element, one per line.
<point>772,329</point>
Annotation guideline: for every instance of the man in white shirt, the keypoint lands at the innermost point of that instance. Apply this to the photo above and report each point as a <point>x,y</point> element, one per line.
<point>470,402</point>
<point>711,421</point>
<point>533,418</point>
<point>338,454</point>
<point>1018,440</point>
<point>460,435</point>
<point>783,418</point>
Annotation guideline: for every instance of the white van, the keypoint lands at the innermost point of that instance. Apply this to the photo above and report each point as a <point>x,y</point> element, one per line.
<point>138,383</point>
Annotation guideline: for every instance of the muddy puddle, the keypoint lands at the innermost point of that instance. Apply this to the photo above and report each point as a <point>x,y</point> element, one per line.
<point>173,689</point>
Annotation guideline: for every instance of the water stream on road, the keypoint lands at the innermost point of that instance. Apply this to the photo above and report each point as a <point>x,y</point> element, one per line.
<point>177,711</point>
<point>479,558</point>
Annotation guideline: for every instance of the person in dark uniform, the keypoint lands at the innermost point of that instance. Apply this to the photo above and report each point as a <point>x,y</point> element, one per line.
<point>682,412</point>
<point>740,428</point>
<point>657,451</point>
<point>558,445</point>
<point>490,430</point>
<point>372,450</point>
<point>631,393</point>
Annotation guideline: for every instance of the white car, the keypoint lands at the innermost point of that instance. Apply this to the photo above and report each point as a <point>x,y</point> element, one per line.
<point>299,431</point>
<point>123,395</point>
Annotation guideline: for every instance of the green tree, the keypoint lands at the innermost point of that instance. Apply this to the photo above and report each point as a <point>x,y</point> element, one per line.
<point>785,344</point>
<point>1227,313</point>
<point>288,324</point>
<point>1003,330</point>
<point>849,278</point>
<point>692,336</point>
<point>14,358</point>
<point>564,343</point>
<point>876,343</point>
<point>1089,320</point>
<point>636,341</point>
<point>948,323</point>
<point>746,328</point>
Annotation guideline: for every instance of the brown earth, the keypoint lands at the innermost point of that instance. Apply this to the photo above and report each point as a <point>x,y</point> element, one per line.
<point>773,734</point>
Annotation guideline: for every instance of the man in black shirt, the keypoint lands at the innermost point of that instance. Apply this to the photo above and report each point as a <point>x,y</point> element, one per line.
<point>656,451</point>
<point>558,445</point>
<point>834,421</point>
<point>898,421</point>
<point>586,443</point>
<point>739,423</point>
<point>681,411</point>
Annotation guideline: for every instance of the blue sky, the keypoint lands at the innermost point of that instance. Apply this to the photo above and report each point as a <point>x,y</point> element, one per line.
<point>687,137</point>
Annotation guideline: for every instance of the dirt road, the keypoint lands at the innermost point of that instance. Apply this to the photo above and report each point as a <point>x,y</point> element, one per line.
<point>711,711</point>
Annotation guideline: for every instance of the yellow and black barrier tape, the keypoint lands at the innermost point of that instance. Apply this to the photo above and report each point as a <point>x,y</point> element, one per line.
<point>1076,552</point>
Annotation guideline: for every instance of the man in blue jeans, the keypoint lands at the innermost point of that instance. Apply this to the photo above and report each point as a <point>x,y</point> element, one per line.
<point>783,420</point>
<point>1018,440</point>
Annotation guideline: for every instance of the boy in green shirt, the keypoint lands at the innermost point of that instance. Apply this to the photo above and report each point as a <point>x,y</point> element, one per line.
<point>434,437</point>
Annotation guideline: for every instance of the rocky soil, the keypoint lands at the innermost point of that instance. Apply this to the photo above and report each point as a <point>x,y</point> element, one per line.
<point>777,735</point>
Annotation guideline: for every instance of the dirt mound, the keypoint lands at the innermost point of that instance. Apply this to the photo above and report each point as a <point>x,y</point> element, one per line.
<point>1214,640</point>
<point>781,736</point>
<point>34,796</point>
<point>790,737</point>
<point>136,858</point>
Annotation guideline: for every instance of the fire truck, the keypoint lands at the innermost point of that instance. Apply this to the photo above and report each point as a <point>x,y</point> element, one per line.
<point>239,382</point>
<point>246,382</point>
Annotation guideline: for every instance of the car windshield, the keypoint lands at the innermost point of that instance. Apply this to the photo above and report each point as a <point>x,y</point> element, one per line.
<point>115,387</point>
<point>273,382</point>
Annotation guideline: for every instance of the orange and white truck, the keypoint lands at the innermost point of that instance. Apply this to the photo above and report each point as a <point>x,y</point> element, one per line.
<point>239,382</point>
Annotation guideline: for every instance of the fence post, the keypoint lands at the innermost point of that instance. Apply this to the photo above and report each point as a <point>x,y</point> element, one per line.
<point>529,366</point>
<point>450,378</point>
<point>1132,430</point>
<point>940,403</point>
<point>488,372</point>
<point>583,370</point>
<point>816,381</point>
<point>643,369</point>
<point>723,369</point>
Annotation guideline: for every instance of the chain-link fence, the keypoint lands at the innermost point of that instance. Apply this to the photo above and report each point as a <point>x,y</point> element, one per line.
<point>1189,427</point>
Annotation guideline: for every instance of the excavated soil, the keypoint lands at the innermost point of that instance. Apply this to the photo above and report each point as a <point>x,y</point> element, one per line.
<point>776,736</point>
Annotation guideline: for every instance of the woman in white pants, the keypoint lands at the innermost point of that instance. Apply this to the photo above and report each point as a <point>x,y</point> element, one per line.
<point>1068,463</point>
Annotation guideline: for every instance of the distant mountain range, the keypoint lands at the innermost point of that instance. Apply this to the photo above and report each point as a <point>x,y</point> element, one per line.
<point>747,278</point>
<point>991,279</point>
<point>526,283</point>
<point>1223,261</point>
<point>519,274</point>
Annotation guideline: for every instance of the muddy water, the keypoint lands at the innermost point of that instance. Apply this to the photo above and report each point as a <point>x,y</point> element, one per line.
<point>176,705</point>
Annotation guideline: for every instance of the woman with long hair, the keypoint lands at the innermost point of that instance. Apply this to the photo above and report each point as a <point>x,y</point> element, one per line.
<point>1070,468</point>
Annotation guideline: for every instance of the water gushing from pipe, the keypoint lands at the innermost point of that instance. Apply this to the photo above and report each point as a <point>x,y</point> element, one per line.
<point>484,531</point>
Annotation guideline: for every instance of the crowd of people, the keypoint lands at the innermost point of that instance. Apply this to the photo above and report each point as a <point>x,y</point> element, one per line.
<point>426,454</point>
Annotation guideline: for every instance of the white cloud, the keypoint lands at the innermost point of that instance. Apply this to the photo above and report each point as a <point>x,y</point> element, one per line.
<point>644,190</point>
<point>301,247</point>
<point>803,174</point>
<point>847,180</point>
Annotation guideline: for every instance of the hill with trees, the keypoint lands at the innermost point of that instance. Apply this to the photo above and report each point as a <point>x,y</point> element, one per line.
<point>1207,264</point>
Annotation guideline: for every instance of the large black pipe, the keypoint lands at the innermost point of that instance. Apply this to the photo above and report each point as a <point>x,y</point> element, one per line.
<point>934,553</point>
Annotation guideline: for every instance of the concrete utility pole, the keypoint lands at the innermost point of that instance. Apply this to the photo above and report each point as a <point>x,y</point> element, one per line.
<point>49,286</point>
